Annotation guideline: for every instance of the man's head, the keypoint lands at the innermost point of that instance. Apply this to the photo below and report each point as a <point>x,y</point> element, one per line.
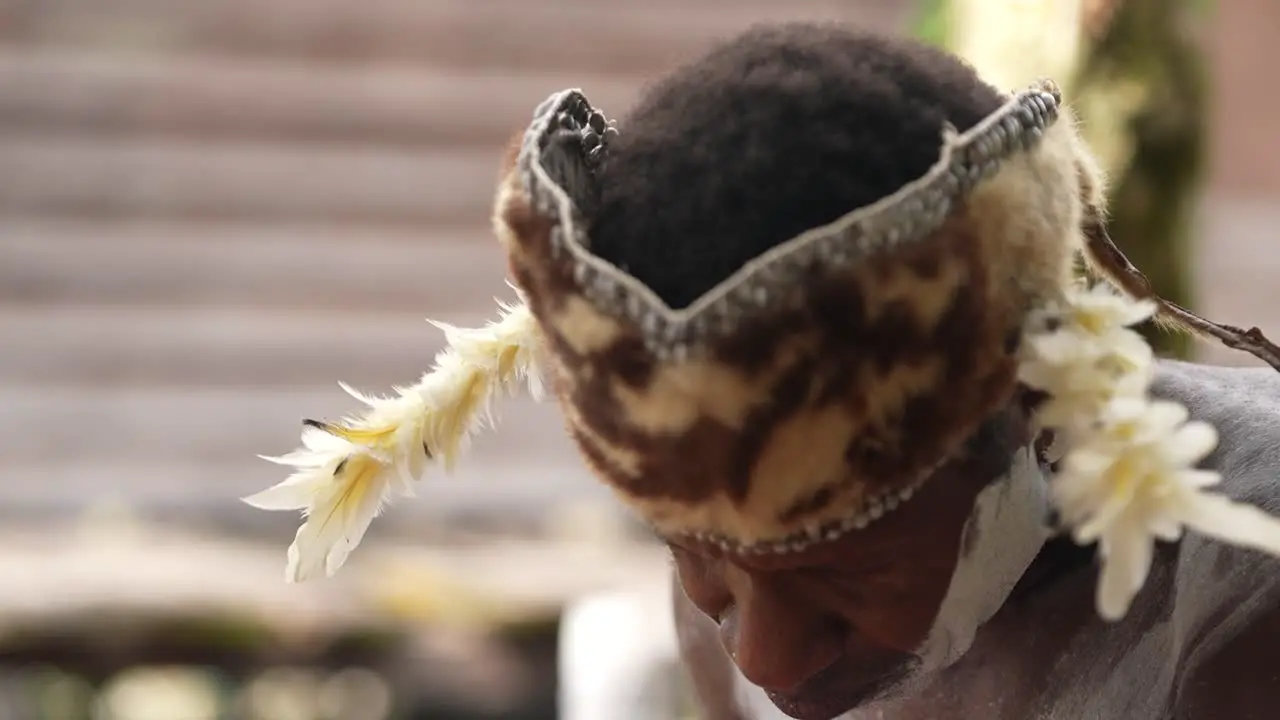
<point>818,384</point>
<point>782,305</point>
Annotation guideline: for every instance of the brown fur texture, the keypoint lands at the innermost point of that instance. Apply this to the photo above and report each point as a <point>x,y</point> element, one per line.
<point>804,417</point>
<point>838,391</point>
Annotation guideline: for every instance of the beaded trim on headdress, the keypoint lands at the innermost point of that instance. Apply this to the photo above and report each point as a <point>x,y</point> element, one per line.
<point>1128,463</point>
<point>911,213</point>
<point>876,508</point>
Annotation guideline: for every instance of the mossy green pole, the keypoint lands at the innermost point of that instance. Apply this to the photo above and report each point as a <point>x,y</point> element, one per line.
<point>1142,90</point>
<point>1154,195</point>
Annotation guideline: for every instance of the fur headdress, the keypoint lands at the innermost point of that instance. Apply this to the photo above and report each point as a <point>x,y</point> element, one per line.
<point>815,385</point>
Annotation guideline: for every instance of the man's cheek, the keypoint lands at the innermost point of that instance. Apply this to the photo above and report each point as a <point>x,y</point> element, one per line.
<point>901,628</point>
<point>899,612</point>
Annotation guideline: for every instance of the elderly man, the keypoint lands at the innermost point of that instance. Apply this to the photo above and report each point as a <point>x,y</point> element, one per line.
<point>812,312</point>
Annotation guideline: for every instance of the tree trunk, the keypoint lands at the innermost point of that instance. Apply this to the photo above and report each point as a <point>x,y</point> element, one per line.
<point>1156,179</point>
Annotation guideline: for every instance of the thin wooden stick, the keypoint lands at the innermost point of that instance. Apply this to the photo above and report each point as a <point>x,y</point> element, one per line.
<point>1105,257</point>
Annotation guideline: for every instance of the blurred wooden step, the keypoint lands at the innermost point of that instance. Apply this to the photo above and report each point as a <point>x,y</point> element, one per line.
<point>65,579</point>
<point>164,581</point>
<point>250,265</point>
<point>1236,267</point>
<point>548,34</point>
<point>292,101</point>
<point>479,487</point>
<point>89,177</point>
<point>83,346</point>
<point>173,425</point>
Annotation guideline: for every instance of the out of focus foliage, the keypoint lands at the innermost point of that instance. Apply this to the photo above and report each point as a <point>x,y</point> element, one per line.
<point>1135,75</point>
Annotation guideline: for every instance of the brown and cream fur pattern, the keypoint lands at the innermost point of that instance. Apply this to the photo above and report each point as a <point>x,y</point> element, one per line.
<point>833,397</point>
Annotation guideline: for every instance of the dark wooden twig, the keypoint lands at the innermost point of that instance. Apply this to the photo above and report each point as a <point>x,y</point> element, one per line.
<point>1108,259</point>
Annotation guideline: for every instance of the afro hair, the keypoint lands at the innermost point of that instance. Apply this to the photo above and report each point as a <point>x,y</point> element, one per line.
<point>779,130</point>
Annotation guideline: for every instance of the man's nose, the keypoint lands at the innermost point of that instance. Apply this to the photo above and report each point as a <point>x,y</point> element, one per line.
<point>779,642</point>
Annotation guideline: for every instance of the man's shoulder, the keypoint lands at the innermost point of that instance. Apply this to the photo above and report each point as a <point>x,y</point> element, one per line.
<point>1228,598</point>
<point>1243,404</point>
<point>1214,389</point>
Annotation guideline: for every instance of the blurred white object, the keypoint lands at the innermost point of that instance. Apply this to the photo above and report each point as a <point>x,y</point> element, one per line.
<point>161,694</point>
<point>1012,43</point>
<point>619,660</point>
<point>618,656</point>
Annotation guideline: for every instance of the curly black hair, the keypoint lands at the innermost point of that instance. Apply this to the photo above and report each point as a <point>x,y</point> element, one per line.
<point>778,130</point>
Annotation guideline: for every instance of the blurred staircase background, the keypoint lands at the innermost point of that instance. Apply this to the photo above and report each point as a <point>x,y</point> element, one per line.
<point>213,210</point>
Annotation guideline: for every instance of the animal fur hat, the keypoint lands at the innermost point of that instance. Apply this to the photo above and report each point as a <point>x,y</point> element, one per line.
<point>781,293</point>
<point>820,382</point>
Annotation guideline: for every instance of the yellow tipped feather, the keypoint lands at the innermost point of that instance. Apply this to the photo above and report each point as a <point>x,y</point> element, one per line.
<point>343,481</point>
